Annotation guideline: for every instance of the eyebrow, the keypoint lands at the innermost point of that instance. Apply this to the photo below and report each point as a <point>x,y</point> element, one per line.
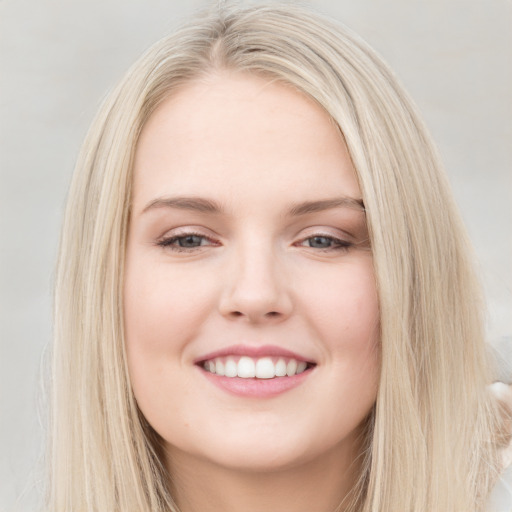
<point>326,204</point>
<point>197,204</point>
<point>203,205</point>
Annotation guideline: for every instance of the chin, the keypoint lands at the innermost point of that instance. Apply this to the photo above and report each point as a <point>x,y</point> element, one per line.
<point>259,447</point>
<point>253,458</point>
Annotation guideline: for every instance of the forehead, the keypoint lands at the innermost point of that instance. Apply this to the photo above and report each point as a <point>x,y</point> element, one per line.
<point>233,131</point>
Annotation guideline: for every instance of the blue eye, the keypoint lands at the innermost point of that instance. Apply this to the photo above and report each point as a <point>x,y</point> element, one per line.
<point>320,242</point>
<point>324,242</point>
<point>188,241</point>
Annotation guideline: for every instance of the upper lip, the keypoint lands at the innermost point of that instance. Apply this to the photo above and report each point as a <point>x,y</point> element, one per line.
<point>252,351</point>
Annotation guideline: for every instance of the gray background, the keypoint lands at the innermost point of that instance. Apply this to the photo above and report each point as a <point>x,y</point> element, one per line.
<point>57,60</point>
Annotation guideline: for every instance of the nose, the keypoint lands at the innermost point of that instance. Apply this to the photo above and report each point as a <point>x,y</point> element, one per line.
<point>255,287</point>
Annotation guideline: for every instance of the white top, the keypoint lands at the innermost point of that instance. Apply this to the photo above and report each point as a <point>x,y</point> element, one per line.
<point>501,496</point>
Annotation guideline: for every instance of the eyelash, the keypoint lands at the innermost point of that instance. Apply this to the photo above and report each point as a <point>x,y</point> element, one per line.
<point>171,242</point>
<point>337,243</point>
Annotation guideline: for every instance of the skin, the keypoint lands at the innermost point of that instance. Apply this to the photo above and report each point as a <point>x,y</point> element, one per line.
<point>256,276</point>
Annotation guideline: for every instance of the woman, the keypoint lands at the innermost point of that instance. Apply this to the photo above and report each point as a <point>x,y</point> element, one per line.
<point>265,298</point>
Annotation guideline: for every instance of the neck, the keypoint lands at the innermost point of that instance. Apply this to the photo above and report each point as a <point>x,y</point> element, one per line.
<point>320,485</point>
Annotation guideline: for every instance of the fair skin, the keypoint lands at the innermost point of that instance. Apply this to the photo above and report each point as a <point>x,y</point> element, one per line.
<point>247,239</point>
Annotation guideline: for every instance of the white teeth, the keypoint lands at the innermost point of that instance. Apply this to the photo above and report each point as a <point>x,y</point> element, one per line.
<point>249,368</point>
<point>246,368</point>
<point>291,367</point>
<point>265,368</point>
<point>230,368</point>
<point>301,366</point>
<point>219,367</point>
<point>281,368</point>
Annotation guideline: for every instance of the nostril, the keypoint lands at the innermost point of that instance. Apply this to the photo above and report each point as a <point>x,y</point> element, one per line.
<point>269,314</point>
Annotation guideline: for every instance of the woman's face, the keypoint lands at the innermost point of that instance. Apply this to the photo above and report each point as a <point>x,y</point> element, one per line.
<point>248,255</point>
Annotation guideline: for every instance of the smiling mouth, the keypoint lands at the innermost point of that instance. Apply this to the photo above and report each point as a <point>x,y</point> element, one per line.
<point>255,368</point>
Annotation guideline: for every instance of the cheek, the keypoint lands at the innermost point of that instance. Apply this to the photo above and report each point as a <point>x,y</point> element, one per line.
<point>344,306</point>
<point>346,317</point>
<point>162,308</point>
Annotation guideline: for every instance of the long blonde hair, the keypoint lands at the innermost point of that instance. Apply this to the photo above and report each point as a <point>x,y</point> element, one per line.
<point>428,442</point>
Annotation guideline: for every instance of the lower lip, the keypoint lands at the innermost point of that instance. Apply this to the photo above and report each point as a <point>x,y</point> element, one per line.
<point>257,388</point>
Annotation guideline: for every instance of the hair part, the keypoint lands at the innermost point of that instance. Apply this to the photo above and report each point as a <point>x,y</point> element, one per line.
<point>427,444</point>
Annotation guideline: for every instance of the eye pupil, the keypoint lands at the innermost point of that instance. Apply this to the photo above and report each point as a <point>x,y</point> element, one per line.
<point>190,241</point>
<point>320,242</point>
